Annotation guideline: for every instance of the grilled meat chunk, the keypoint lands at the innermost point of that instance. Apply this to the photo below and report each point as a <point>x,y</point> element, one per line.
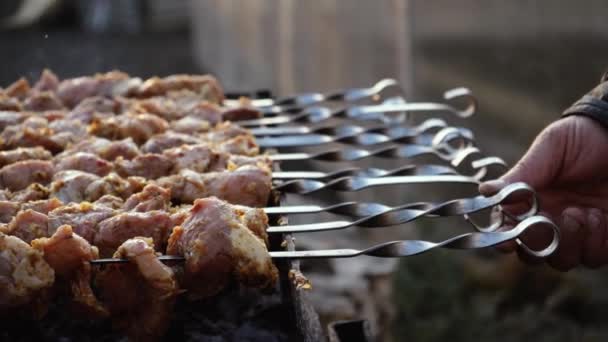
<point>41,101</point>
<point>106,149</point>
<point>113,184</point>
<point>114,83</point>
<point>24,274</point>
<point>247,185</point>
<point>152,197</point>
<point>8,210</point>
<point>33,192</point>
<point>149,166</point>
<point>21,174</point>
<point>93,108</point>
<point>28,225</point>
<point>23,153</point>
<point>161,142</point>
<point>69,255</point>
<point>112,232</point>
<point>139,127</point>
<point>42,206</point>
<point>19,89</point>
<point>197,158</point>
<point>48,81</point>
<point>8,117</point>
<point>82,217</point>
<point>140,295</point>
<point>218,247</point>
<point>190,125</point>
<point>206,86</point>
<point>86,162</point>
<point>110,201</point>
<point>71,186</point>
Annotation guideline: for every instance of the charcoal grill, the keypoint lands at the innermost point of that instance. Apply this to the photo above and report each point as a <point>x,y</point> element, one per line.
<point>382,129</point>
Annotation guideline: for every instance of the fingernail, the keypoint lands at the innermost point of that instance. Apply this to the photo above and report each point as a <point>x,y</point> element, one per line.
<point>594,223</point>
<point>491,187</point>
<point>570,224</point>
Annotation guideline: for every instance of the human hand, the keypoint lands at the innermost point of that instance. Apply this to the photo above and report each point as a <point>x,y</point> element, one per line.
<point>567,165</point>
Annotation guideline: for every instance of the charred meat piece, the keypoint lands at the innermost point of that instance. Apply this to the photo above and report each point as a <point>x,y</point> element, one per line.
<point>82,217</point>
<point>225,131</point>
<point>161,142</point>
<point>24,274</point>
<point>114,83</point>
<point>152,197</point>
<point>32,132</point>
<point>8,103</point>
<point>42,100</point>
<point>86,162</point>
<point>21,174</point>
<point>28,225</point>
<point>20,89</point>
<point>247,185</point>
<point>69,255</point>
<point>23,153</point>
<point>241,145</point>
<point>218,247</point>
<point>243,112</point>
<point>149,166</point>
<point>70,186</point>
<point>113,231</point>
<point>139,127</point>
<point>106,149</point>
<point>140,295</point>
<point>255,219</point>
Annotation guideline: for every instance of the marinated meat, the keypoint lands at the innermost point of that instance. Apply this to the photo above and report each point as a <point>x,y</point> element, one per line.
<point>9,117</point>
<point>24,274</point>
<point>112,232</point>
<point>206,86</point>
<point>218,247</point>
<point>28,225</point>
<point>9,103</point>
<point>31,133</point>
<point>190,125</point>
<point>193,157</point>
<point>69,255</point>
<point>113,184</point>
<point>149,166</point>
<point>33,192</point>
<point>42,206</point>
<point>247,185</point>
<point>240,145</point>
<point>42,100</point>
<point>152,197</point>
<point>8,210</point>
<point>161,142</point>
<point>20,89</point>
<point>48,81</point>
<point>114,83</point>
<point>141,294</point>
<point>139,127</point>
<point>23,153</point>
<point>106,149</point>
<point>110,201</point>
<point>21,174</point>
<point>241,113</point>
<point>86,162</point>
<point>71,186</point>
<point>93,108</point>
<point>82,217</point>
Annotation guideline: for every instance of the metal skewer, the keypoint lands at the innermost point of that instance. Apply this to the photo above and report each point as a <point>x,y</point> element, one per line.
<point>405,248</point>
<point>369,172</point>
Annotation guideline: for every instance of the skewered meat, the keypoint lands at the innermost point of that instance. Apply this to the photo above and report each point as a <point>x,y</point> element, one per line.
<point>42,206</point>
<point>48,81</point>
<point>110,201</point>
<point>82,217</point>
<point>93,108</point>
<point>33,132</point>
<point>197,158</point>
<point>190,125</point>
<point>19,89</point>
<point>41,101</point>
<point>114,83</point>
<point>71,186</point>
<point>149,166</point>
<point>152,197</point>
<point>112,232</point>
<point>243,112</point>
<point>141,294</point>
<point>240,145</point>
<point>23,153</point>
<point>206,86</point>
<point>28,225</point>
<point>247,185</point>
<point>86,162</point>
<point>69,255</point>
<point>24,275</point>
<point>139,127</point>
<point>219,247</point>
<point>106,149</point>
<point>8,210</point>
<point>161,142</point>
<point>8,117</point>
<point>21,174</point>
<point>33,192</point>
<point>113,184</point>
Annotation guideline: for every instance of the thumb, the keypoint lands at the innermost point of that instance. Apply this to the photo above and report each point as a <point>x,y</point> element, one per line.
<point>540,164</point>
